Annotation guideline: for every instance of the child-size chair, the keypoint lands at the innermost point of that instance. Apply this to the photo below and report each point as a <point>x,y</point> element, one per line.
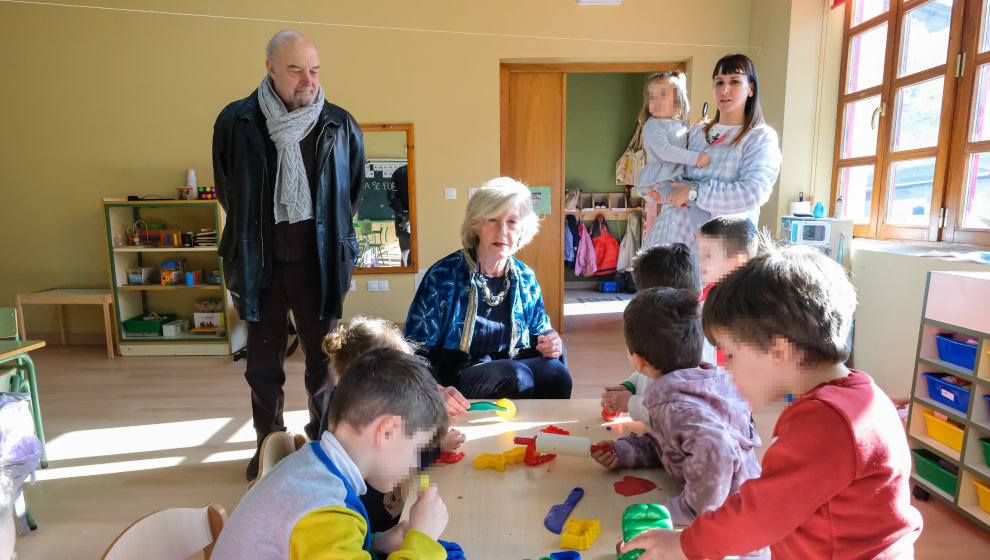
<point>170,534</point>
<point>17,375</point>
<point>275,447</point>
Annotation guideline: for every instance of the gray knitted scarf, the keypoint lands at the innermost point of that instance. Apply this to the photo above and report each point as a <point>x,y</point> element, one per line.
<point>293,201</point>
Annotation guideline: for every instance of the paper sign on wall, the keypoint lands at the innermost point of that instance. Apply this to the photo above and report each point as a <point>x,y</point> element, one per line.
<point>541,200</point>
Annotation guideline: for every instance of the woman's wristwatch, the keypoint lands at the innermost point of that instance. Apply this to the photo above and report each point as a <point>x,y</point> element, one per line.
<point>693,193</point>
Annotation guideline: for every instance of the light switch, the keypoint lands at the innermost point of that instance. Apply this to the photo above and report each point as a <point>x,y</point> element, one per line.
<point>353,286</point>
<point>450,193</point>
<point>372,285</point>
<point>383,285</point>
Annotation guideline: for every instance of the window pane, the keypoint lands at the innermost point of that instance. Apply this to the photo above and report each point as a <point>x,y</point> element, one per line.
<point>859,137</point>
<point>981,105</point>
<point>976,192</point>
<point>866,54</point>
<point>985,28</point>
<point>925,40</point>
<point>910,199</point>
<point>917,114</point>
<point>856,188</point>
<point>868,9</point>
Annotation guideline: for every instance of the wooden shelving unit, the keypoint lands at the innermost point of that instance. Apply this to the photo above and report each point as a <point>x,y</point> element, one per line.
<point>616,206</point>
<point>131,300</point>
<point>955,302</point>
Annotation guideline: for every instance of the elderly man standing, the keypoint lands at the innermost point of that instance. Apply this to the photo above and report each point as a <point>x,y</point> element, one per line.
<point>288,168</point>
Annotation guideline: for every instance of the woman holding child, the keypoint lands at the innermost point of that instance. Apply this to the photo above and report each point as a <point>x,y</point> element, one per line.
<point>478,313</point>
<point>744,159</point>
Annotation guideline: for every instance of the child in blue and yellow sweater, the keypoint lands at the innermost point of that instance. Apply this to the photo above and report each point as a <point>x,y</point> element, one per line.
<point>385,410</point>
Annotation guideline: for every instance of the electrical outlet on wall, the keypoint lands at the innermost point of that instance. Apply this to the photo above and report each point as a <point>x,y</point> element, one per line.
<point>450,193</point>
<point>383,285</point>
<point>372,285</point>
<point>353,286</point>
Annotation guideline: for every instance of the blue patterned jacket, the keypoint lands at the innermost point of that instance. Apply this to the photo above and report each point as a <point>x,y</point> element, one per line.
<point>447,302</point>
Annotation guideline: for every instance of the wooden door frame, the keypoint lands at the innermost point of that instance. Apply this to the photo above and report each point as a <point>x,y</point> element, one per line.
<point>506,69</point>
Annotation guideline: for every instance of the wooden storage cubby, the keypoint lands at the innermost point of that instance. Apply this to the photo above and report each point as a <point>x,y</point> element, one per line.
<point>131,300</point>
<point>955,303</point>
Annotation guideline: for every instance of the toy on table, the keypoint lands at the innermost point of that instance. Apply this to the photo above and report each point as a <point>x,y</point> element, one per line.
<point>551,429</point>
<point>502,407</point>
<point>532,457</point>
<point>562,555</point>
<point>580,533</point>
<point>554,521</point>
<point>638,519</point>
<point>490,461</point>
<point>609,416</point>
<point>449,457</point>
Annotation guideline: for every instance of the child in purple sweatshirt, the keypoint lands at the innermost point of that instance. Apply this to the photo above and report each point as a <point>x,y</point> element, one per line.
<point>699,430</point>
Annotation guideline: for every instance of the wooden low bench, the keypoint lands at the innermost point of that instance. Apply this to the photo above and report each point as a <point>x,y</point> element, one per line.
<point>69,296</point>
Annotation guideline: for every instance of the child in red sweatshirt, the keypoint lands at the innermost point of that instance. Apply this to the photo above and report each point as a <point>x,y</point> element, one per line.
<point>835,477</point>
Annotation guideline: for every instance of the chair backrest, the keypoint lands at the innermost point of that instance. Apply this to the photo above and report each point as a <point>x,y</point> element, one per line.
<point>8,323</point>
<point>367,227</point>
<point>275,447</point>
<point>170,534</point>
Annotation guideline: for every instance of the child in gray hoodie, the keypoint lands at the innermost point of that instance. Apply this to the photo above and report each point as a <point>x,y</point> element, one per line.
<point>699,426</point>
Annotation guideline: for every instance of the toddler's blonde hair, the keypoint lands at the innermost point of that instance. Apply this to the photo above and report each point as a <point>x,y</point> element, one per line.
<point>676,79</point>
<point>360,335</point>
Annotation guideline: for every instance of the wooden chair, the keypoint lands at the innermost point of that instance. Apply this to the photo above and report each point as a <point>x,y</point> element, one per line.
<point>170,534</point>
<point>275,447</point>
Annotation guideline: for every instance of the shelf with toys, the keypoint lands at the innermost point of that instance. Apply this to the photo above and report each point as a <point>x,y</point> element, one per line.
<point>611,205</point>
<point>165,274</point>
<point>949,417</point>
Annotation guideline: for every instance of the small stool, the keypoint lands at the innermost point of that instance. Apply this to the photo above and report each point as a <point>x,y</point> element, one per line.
<point>70,296</point>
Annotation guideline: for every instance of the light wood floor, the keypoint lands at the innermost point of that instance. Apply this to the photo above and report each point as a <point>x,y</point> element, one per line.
<point>170,432</point>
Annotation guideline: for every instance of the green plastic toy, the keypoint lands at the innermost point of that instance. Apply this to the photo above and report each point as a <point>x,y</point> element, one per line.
<point>638,519</point>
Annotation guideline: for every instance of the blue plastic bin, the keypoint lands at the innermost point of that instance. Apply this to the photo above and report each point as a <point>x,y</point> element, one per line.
<point>987,397</point>
<point>955,352</point>
<point>946,393</point>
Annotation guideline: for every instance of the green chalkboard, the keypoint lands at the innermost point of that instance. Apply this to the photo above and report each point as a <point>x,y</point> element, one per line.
<point>373,203</point>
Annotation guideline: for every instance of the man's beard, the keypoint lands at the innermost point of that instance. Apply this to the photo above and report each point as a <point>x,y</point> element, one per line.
<point>303,99</point>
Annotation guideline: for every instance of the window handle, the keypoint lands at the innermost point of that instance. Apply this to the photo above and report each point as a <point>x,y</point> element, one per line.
<point>877,113</point>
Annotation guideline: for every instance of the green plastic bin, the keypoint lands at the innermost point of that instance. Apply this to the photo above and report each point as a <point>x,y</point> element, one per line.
<point>137,324</point>
<point>927,467</point>
<point>986,450</point>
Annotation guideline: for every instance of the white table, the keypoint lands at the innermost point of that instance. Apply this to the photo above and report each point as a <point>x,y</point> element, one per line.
<point>69,296</point>
<point>500,514</point>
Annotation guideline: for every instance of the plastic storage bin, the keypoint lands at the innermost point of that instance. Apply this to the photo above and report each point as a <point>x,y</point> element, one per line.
<point>983,493</point>
<point>986,450</point>
<point>943,431</point>
<point>947,393</point>
<point>138,324</point>
<point>927,467</point>
<point>955,352</point>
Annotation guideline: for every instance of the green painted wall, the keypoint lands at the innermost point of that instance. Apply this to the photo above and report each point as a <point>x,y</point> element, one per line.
<point>601,118</point>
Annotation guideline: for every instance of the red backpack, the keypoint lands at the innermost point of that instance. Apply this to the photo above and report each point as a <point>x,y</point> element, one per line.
<point>606,247</point>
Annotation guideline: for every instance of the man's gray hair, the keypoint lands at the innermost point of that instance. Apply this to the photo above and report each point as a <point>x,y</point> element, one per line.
<point>279,38</point>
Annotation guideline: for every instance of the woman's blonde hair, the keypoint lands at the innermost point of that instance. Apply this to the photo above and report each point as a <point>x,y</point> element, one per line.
<point>493,198</point>
<point>360,335</point>
<point>676,79</point>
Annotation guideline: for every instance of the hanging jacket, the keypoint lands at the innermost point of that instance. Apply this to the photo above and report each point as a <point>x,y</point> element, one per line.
<point>584,263</point>
<point>569,252</point>
<point>636,227</point>
<point>606,248</point>
<point>571,223</point>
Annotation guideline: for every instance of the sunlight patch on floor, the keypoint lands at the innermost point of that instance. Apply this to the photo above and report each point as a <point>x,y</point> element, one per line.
<point>102,442</point>
<point>55,473</point>
<point>595,308</point>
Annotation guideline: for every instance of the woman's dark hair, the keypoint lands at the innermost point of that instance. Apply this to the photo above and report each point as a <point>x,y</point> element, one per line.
<point>740,64</point>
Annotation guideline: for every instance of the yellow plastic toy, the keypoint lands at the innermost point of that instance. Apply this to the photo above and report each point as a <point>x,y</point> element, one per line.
<point>515,455</point>
<point>510,409</point>
<point>579,534</point>
<point>490,461</point>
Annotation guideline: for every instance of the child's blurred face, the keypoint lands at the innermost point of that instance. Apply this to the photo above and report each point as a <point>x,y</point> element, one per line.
<point>661,100</point>
<point>398,457</point>
<point>715,264</point>
<point>761,375</point>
